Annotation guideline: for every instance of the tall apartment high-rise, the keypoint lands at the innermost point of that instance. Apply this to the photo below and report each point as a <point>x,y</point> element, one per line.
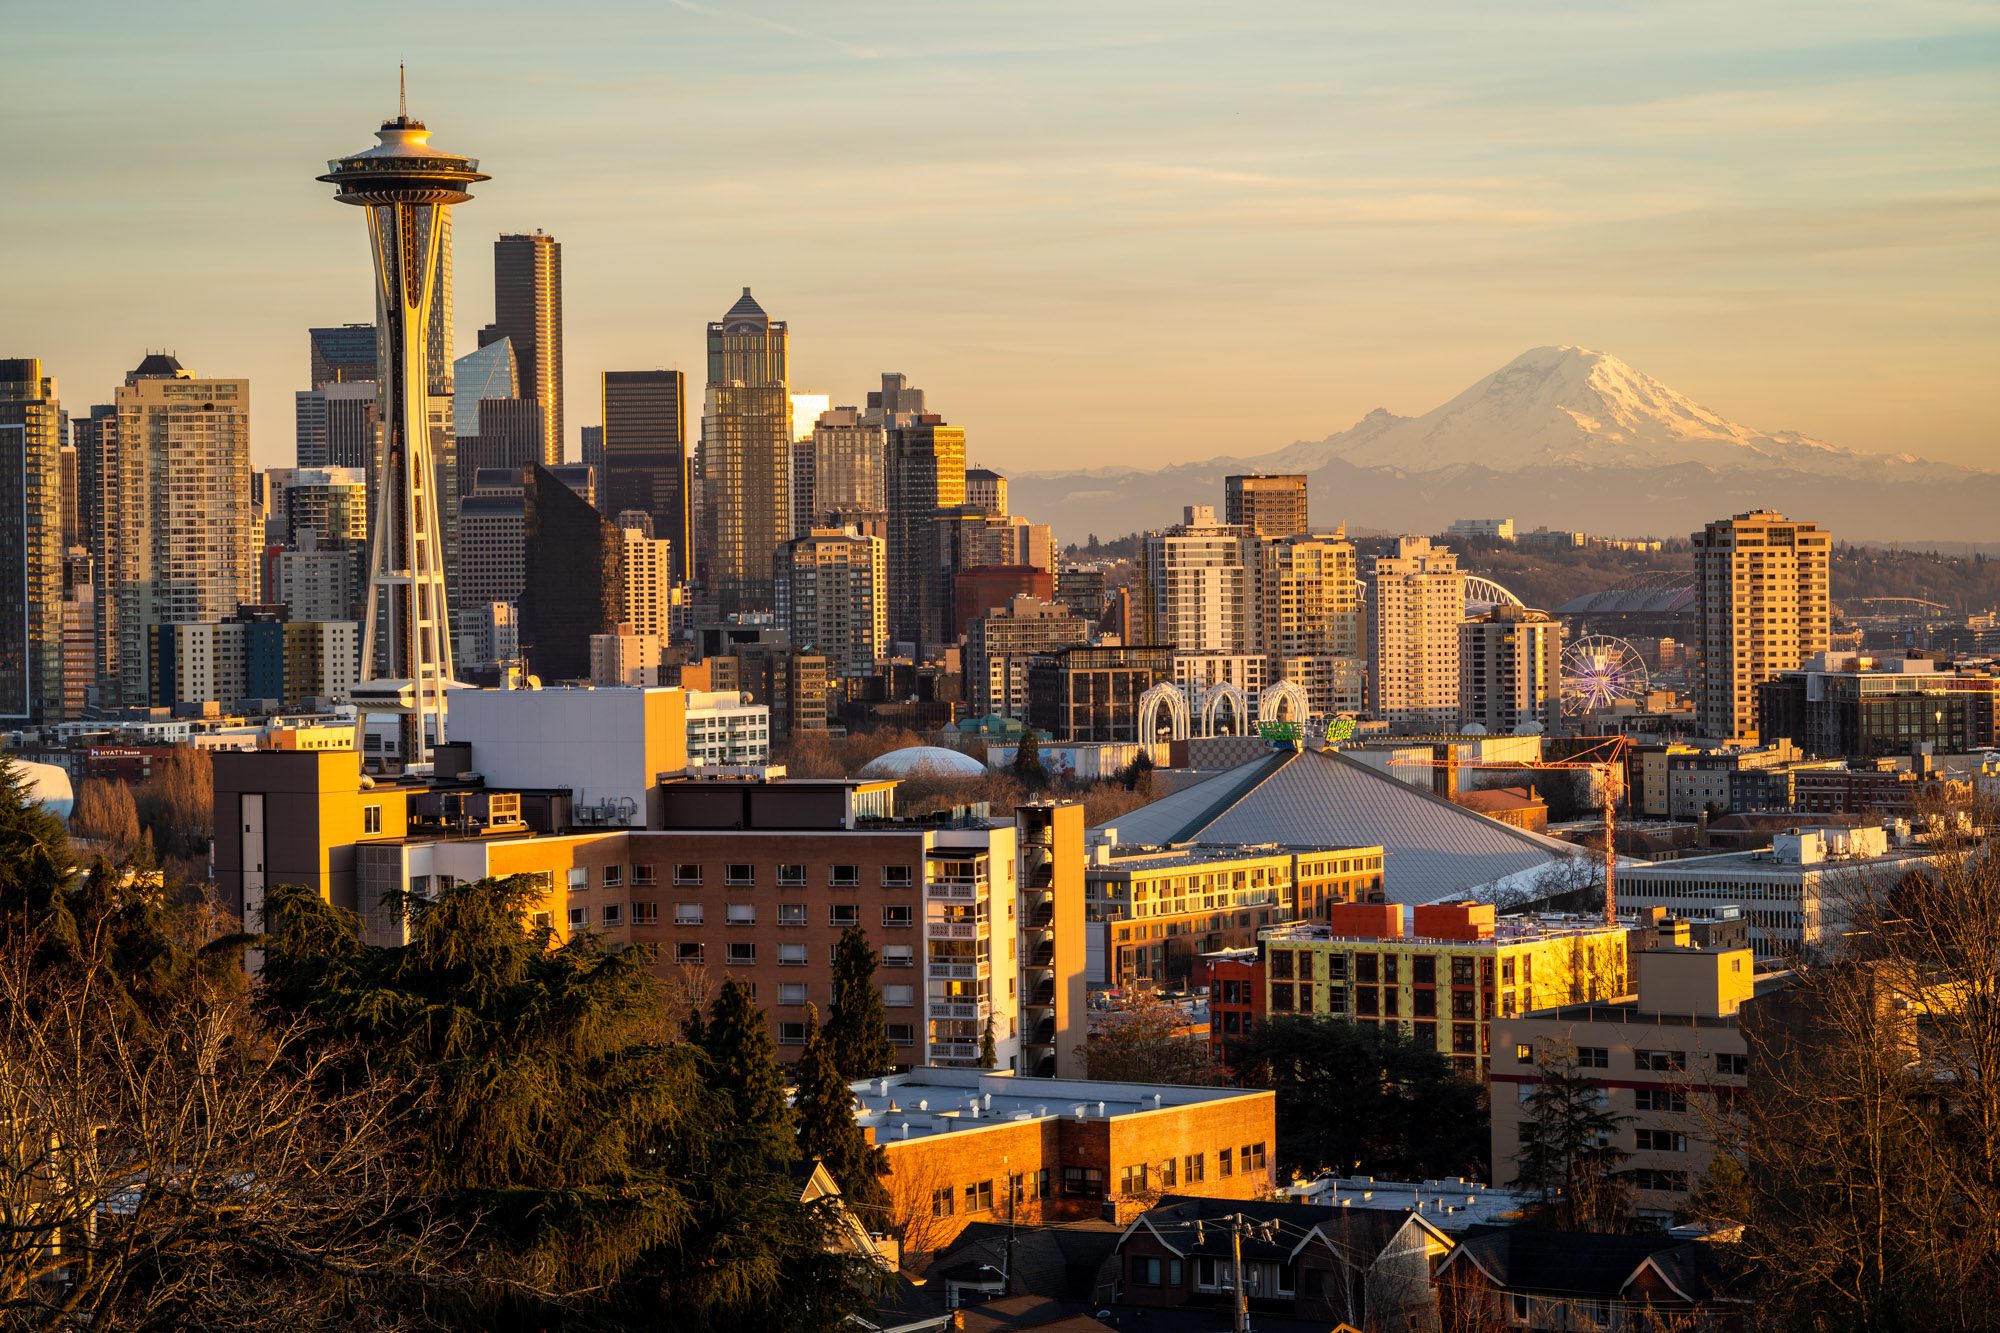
<point>646,584</point>
<point>79,633</point>
<point>1417,601</point>
<point>848,463</point>
<point>1309,614</point>
<point>527,310</point>
<point>1761,607</point>
<point>96,440</point>
<point>925,475</point>
<point>341,354</point>
<point>1269,505</point>
<point>746,456</point>
<point>987,489</point>
<point>188,536</point>
<point>646,455</point>
<point>1002,644</point>
<point>31,549</point>
<point>833,597</point>
<point>1510,670</point>
<point>407,187</point>
<point>1197,586</point>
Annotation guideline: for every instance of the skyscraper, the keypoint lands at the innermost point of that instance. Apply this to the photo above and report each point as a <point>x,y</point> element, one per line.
<point>1761,607</point>
<point>96,439</point>
<point>341,354</point>
<point>187,533</point>
<point>31,550</point>
<point>476,377</point>
<point>1197,586</point>
<point>572,580</point>
<point>407,186</point>
<point>527,310</point>
<point>1510,670</point>
<point>646,456</point>
<point>335,424</point>
<point>1269,505</point>
<point>746,455</point>
<point>847,474</point>
<point>925,473</point>
<point>1418,600</point>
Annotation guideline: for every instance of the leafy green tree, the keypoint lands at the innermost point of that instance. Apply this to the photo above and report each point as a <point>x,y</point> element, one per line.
<point>857,1027</point>
<point>743,1065</point>
<point>1356,1096</point>
<point>1028,767</point>
<point>824,1107</point>
<point>591,1153</point>
<point>1567,1150</point>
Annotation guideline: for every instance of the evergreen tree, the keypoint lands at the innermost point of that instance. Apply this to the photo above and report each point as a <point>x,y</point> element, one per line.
<point>595,1156</point>
<point>857,1028</point>
<point>1028,760</point>
<point>1567,1154</point>
<point>743,1065</point>
<point>824,1107</point>
<point>989,1054</point>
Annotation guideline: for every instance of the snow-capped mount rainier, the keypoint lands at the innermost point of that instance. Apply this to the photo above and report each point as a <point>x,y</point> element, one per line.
<point>1562,436</point>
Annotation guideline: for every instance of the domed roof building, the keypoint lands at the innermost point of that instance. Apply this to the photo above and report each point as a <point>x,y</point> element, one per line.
<point>935,758</point>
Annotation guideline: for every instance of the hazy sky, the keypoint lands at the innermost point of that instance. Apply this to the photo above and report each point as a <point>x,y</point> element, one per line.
<point>1095,233</point>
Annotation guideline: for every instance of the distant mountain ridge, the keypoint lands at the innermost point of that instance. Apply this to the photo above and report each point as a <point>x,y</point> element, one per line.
<point>1564,437</point>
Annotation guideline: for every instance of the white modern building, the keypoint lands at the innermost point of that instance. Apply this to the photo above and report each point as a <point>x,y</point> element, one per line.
<point>724,727</point>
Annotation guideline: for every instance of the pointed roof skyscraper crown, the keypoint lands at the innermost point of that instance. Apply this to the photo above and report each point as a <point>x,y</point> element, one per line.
<point>746,307</point>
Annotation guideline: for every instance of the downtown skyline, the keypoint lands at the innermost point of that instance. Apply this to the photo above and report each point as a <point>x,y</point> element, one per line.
<point>1087,239</point>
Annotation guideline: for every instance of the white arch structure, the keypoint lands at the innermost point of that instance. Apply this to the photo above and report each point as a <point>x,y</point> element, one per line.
<point>1283,701</point>
<point>1486,594</point>
<point>1210,709</point>
<point>1165,695</point>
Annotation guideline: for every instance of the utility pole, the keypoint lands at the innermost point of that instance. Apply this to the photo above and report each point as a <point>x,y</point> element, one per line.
<point>1242,1323</point>
<point>1006,1168</point>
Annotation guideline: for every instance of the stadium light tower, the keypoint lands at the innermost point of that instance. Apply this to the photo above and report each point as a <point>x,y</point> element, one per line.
<point>405,184</point>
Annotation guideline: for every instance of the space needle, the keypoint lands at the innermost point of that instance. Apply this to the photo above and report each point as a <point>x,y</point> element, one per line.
<point>405,184</point>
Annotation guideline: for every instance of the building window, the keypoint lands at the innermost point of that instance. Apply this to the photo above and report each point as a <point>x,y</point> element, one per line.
<point>843,915</point>
<point>792,992</point>
<point>1366,968</point>
<point>742,914</point>
<point>1424,1003</point>
<point>579,879</point>
<point>1133,1180</point>
<point>544,921</point>
<point>1651,1178</point>
<point>1150,1272</point>
<point>1366,1002</point>
<point>371,819</point>
<point>688,953</point>
<point>1523,1053</point>
<point>687,873</point>
<point>579,918</point>
<point>791,914</point>
<point>942,1201</point>
<point>1225,1163</point>
<point>843,877</point>
<point>898,955</point>
<point>896,877</point>
<point>642,876</point>
<point>1593,1057</point>
<point>902,1034</point>
<point>791,1034</point>
<point>1464,1004</point>
<point>1424,969</point>
<point>1659,1140</point>
<point>1660,1099</point>
<point>645,914</point>
<point>1281,963</point>
<point>742,953</point>
<point>1726,1063</point>
<point>614,877</point>
<point>739,872</point>
<point>1281,997</point>
<point>613,913</point>
<point>898,915</point>
<point>1083,1182</point>
<point>791,877</point>
<point>979,1197</point>
<point>899,997</point>
<point>1253,1157</point>
<point>1461,971</point>
<point>1660,1062</point>
<point>1197,1167</point>
<point>1170,1173</point>
<point>791,955</point>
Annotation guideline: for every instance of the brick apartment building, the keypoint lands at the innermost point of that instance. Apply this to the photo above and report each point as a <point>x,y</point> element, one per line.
<point>976,919</point>
<point>965,1146</point>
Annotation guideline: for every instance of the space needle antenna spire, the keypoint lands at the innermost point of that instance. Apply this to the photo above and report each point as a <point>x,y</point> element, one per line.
<point>402,93</point>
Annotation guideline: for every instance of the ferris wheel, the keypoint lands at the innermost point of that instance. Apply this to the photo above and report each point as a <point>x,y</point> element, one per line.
<point>1599,670</point>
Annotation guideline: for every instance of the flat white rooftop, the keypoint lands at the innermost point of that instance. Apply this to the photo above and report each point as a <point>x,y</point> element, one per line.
<point>931,1101</point>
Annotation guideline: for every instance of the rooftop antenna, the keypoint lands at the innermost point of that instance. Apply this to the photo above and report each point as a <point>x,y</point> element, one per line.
<point>402,93</point>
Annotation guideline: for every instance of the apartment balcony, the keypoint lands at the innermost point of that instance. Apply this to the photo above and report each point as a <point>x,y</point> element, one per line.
<point>971,1010</point>
<point>955,1050</point>
<point>957,890</point>
<point>958,930</point>
<point>979,971</point>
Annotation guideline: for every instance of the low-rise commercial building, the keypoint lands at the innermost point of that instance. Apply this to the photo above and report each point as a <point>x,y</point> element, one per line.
<point>1792,893</point>
<point>1447,982</point>
<point>1731,779</point>
<point>1666,1058</point>
<point>965,1146</point>
<point>1091,693</point>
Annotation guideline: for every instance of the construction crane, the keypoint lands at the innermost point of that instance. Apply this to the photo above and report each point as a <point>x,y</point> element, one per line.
<point>1606,758</point>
